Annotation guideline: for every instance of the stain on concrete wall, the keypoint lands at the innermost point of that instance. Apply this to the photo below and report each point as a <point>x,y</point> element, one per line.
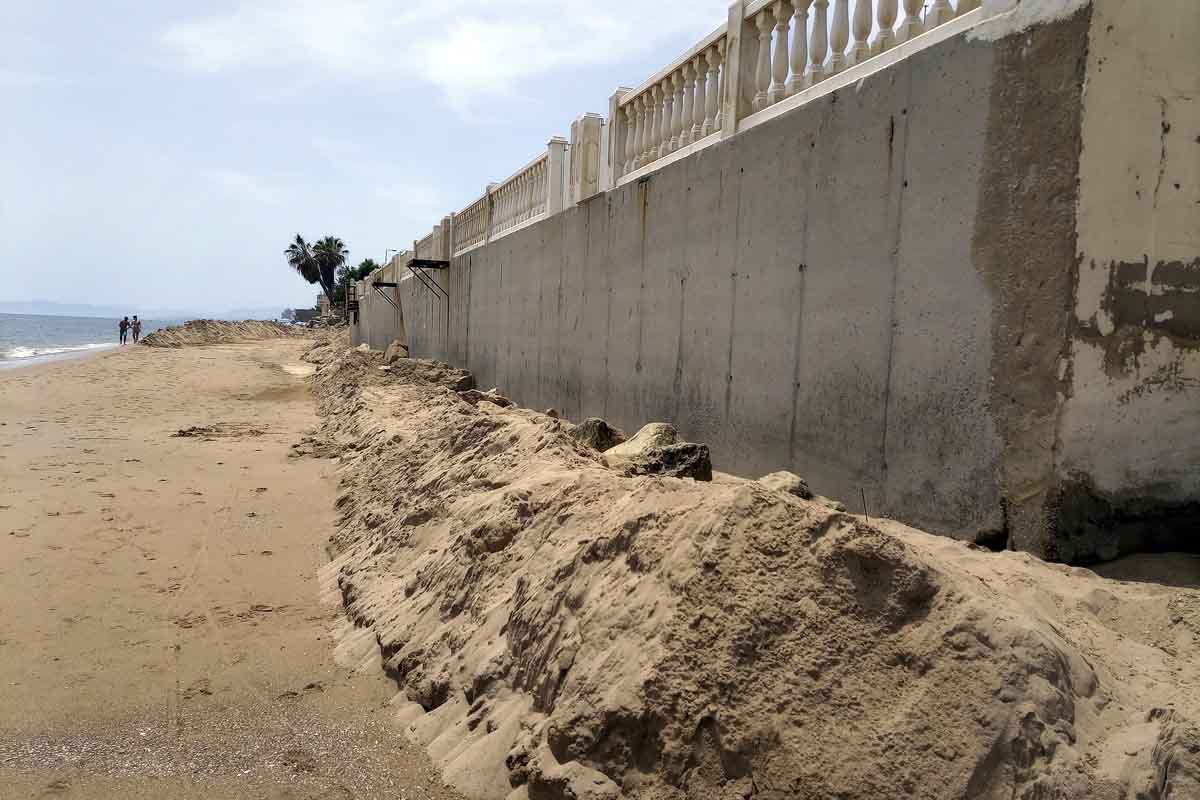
<point>1024,245</point>
<point>1130,430</point>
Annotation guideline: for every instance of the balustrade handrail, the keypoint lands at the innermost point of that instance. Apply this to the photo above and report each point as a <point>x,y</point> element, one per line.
<point>528,166</point>
<point>766,58</point>
<point>695,50</point>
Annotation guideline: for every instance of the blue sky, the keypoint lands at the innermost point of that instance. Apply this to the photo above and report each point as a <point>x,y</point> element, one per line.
<point>164,152</point>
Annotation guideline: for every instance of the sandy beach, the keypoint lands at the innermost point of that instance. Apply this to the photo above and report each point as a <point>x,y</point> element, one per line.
<point>163,630</point>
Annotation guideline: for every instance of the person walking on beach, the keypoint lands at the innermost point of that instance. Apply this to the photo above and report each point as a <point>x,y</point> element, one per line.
<point>137,329</point>
<point>123,326</point>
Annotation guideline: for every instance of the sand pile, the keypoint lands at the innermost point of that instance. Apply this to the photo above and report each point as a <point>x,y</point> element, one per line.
<point>210,331</point>
<point>562,629</point>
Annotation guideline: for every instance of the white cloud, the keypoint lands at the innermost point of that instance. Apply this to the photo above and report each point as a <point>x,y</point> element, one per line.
<point>464,47</point>
<point>244,185</point>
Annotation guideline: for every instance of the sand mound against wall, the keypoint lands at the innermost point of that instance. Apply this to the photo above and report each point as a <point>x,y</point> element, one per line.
<point>559,629</point>
<point>210,331</point>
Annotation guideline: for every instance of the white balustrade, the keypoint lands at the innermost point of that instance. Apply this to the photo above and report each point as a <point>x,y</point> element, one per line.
<point>689,105</point>
<point>471,225</point>
<point>780,63</point>
<point>799,54</point>
<point>819,47</point>
<point>941,13</point>
<point>861,28</point>
<point>700,69</point>
<point>839,36</point>
<point>524,196</point>
<point>765,22</point>
<point>676,108</point>
<point>887,21</point>
<point>910,27</point>
<point>716,84</point>
<point>780,49</point>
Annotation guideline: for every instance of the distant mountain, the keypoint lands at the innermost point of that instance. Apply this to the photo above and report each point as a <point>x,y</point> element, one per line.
<point>48,308</point>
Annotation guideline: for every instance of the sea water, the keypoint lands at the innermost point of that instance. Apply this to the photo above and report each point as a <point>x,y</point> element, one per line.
<point>33,338</point>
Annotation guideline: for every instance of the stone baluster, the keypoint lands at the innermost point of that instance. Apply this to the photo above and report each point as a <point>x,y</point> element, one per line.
<point>967,5</point>
<point>839,36</point>
<point>654,124</point>
<point>745,84</point>
<point>712,122</point>
<point>677,110</point>
<point>887,20</point>
<point>780,61</point>
<point>689,108</point>
<point>819,47</point>
<point>630,136</point>
<point>941,13</point>
<point>642,130</point>
<point>765,22</point>
<point>911,26</point>
<point>861,28</point>
<point>664,142</point>
<point>799,54</point>
<point>700,70</point>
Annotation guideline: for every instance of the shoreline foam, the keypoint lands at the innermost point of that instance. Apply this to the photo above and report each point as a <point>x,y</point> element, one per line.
<point>52,355</point>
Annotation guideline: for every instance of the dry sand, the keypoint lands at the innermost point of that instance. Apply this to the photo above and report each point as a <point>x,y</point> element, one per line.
<point>566,631</point>
<point>161,627</point>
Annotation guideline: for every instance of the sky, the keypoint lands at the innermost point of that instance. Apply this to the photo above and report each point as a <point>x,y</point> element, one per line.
<point>164,152</point>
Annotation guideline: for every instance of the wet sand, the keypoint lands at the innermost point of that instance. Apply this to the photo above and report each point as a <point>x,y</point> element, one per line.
<point>162,629</point>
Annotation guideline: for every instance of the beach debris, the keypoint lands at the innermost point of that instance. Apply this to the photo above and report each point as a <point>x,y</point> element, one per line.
<point>219,430</point>
<point>598,434</point>
<point>788,483</point>
<point>395,351</point>
<point>656,450</point>
<point>475,397</point>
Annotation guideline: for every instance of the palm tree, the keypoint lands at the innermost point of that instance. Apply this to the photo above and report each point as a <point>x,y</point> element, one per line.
<point>330,253</point>
<point>300,258</point>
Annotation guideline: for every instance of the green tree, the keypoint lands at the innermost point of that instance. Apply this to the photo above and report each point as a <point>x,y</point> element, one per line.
<point>300,257</point>
<point>330,254</point>
<point>346,275</point>
<point>365,268</point>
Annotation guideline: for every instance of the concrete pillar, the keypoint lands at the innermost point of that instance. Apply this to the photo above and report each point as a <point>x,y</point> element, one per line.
<point>617,133</point>
<point>585,157</point>
<point>731,90</point>
<point>556,174</point>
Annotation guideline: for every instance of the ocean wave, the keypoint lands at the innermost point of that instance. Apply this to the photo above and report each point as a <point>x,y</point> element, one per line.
<point>33,352</point>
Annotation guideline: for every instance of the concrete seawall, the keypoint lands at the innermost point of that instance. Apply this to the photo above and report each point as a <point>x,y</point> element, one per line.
<point>878,290</point>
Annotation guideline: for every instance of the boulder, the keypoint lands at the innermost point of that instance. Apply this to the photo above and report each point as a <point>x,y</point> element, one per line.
<point>656,450</point>
<point>395,352</point>
<point>475,397</point>
<point>787,482</point>
<point>656,434</point>
<point>681,460</point>
<point>793,484</point>
<point>598,434</point>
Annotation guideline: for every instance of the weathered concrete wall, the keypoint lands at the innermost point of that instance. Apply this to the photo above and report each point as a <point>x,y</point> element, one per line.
<point>877,291</point>
<point>379,322</point>
<point>1129,435</point>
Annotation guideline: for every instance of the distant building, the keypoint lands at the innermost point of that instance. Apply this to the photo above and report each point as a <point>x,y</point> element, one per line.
<point>323,305</point>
